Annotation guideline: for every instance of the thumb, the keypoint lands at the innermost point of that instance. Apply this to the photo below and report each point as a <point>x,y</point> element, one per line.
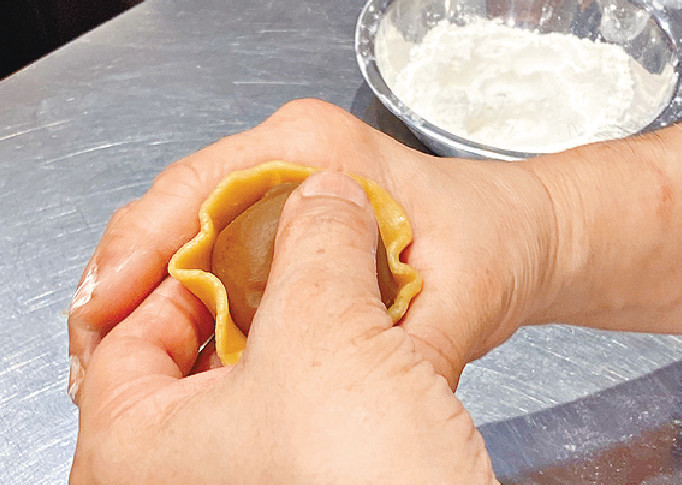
<point>322,290</point>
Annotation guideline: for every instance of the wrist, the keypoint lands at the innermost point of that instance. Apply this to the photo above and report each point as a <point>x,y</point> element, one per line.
<point>525,275</point>
<point>564,215</point>
<point>618,220</point>
<point>555,247</point>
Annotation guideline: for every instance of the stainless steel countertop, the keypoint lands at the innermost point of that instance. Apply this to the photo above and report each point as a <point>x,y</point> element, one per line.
<point>85,130</point>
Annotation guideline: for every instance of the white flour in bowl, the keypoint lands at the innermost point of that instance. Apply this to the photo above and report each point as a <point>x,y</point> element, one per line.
<point>519,90</point>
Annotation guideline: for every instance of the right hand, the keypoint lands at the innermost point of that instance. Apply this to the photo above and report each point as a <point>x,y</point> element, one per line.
<point>327,390</point>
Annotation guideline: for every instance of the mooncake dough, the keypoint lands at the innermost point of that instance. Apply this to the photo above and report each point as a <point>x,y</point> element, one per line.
<point>243,252</point>
<point>237,196</point>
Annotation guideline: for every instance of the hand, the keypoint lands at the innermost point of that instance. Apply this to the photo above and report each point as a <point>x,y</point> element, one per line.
<point>483,233</point>
<point>327,389</point>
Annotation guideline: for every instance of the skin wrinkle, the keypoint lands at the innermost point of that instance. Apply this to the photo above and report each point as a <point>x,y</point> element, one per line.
<point>454,366</point>
<point>509,309</point>
<point>569,240</point>
<point>418,366</point>
<point>368,335</point>
<point>486,295</point>
<point>472,432</point>
<point>665,208</point>
<point>137,337</point>
<point>333,223</point>
<point>336,313</point>
<point>125,460</point>
<point>463,421</point>
<point>542,263</point>
<point>132,303</point>
<point>532,281</point>
<point>151,224</point>
<point>457,415</point>
<point>123,261</point>
<point>190,338</point>
<point>575,221</point>
<point>386,348</point>
<point>656,138</point>
<point>170,412</point>
<point>301,273</point>
<point>125,397</point>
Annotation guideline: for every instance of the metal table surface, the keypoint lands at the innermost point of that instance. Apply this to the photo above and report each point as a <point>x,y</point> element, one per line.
<point>84,130</point>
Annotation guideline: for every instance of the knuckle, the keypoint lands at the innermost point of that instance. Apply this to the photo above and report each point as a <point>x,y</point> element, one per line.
<point>312,121</point>
<point>122,213</point>
<point>318,133</point>
<point>330,224</point>
<point>299,109</point>
<point>182,178</point>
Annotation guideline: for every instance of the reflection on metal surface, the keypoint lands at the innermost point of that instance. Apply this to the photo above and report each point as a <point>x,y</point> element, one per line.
<point>647,458</point>
<point>627,434</point>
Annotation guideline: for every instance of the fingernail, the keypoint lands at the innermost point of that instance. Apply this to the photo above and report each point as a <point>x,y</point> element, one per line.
<point>76,374</point>
<point>336,185</point>
<point>86,289</point>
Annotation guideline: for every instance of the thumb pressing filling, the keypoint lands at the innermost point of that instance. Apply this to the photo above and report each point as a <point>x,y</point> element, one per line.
<point>226,265</point>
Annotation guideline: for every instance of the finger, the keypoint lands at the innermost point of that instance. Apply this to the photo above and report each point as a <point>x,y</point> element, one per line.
<point>140,239</point>
<point>132,256</point>
<point>160,339</point>
<point>322,290</point>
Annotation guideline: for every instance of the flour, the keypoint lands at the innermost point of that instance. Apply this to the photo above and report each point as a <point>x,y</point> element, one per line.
<point>519,90</point>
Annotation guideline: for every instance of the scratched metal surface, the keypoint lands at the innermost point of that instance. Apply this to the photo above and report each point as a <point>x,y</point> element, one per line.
<point>85,130</point>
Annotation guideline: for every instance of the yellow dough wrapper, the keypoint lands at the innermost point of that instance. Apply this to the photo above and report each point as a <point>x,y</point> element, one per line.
<point>192,264</point>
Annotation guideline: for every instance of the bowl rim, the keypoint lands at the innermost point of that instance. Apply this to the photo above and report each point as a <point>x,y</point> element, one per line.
<point>367,26</point>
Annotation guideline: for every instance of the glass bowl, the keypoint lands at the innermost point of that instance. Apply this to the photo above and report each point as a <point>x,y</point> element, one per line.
<point>641,29</point>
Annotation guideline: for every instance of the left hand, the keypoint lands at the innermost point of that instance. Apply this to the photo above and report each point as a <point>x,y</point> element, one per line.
<point>327,389</point>
<point>483,233</point>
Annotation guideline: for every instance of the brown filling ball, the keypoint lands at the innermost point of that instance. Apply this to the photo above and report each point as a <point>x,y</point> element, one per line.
<point>242,256</point>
